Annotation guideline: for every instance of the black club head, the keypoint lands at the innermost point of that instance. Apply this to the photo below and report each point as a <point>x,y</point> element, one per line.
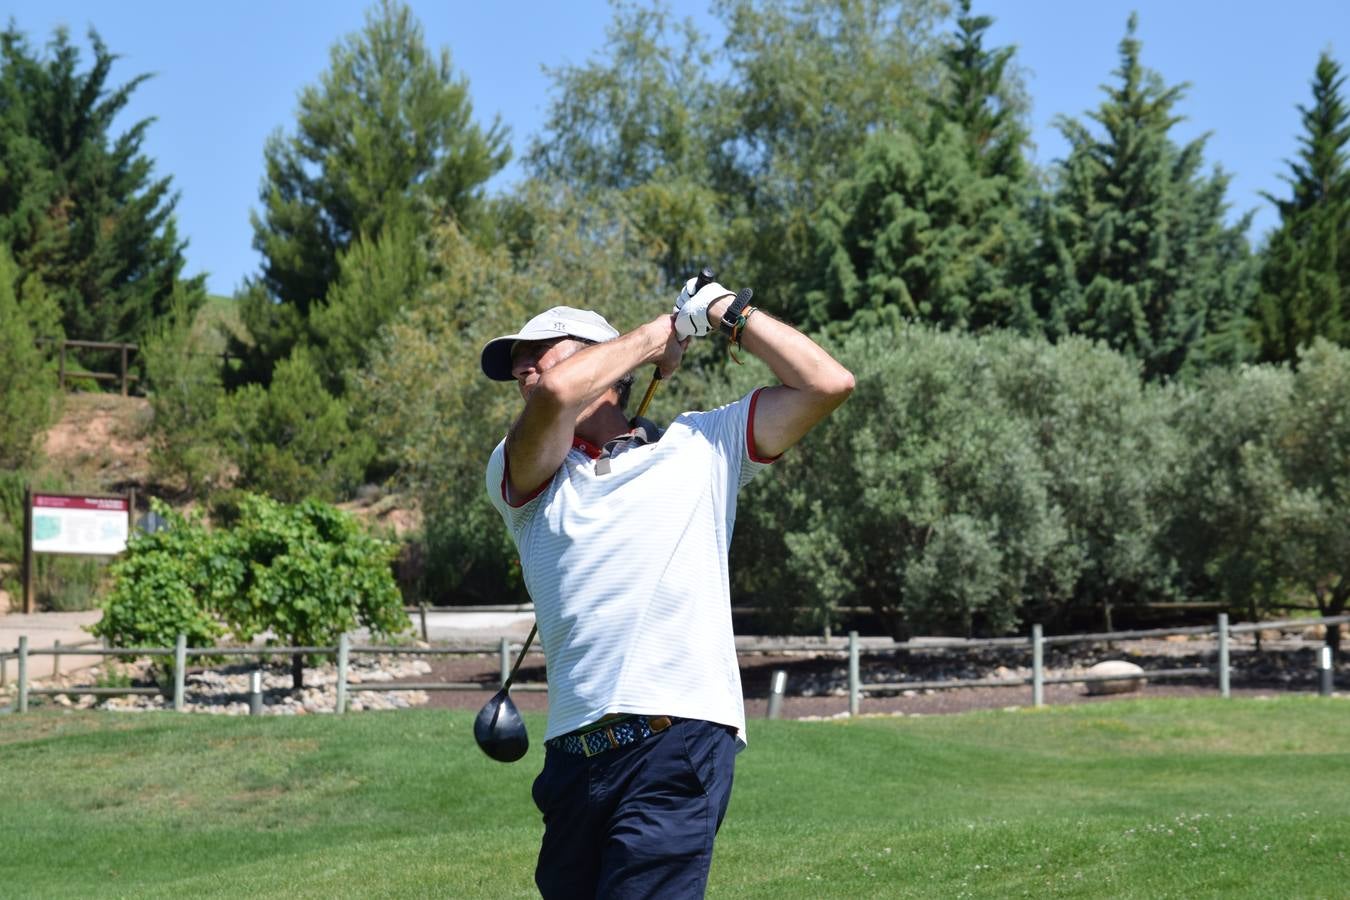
<point>500,730</point>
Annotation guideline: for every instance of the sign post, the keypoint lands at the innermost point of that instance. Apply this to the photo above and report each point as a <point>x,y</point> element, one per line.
<point>27,550</point>
<point>72,525</point>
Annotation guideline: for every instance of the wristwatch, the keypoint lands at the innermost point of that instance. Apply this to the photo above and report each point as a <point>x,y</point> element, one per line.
<point>732,314</point>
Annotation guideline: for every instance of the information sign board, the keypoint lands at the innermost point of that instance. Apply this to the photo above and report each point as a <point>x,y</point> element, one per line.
<point>87,526</point>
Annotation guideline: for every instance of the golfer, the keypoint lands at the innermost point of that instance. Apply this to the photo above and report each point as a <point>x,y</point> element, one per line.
<point>623,536</point>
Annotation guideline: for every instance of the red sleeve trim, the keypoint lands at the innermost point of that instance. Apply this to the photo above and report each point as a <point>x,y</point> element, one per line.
<point>506,473</point>
<point>750,433</point>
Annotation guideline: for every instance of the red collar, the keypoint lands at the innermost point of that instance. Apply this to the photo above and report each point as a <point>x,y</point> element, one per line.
<point>585,446</point>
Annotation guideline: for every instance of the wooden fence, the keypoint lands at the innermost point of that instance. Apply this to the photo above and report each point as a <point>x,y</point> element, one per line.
<point>852,646</point>
<point>123,374</point>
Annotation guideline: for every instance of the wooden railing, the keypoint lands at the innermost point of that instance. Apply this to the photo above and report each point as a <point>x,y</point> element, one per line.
<point>851,647</point>
<point>122,375</point>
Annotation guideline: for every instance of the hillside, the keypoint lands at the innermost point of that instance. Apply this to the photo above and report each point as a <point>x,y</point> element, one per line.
<point>99,445</point>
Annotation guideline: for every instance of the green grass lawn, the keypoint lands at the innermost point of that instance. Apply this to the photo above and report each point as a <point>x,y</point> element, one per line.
<point>1165,798</point>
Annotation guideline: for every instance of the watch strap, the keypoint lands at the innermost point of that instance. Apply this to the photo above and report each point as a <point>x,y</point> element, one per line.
<point>732,314</point>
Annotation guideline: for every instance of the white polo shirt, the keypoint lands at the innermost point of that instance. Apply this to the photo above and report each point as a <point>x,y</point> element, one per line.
<point>628,572</point>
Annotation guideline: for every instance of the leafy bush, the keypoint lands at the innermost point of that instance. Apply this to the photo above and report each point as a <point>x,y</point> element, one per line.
<point>307,573</point>
<point>1109,446</point>
<point>166,584</point>
<point>922,496</point>
<point>969,484</point>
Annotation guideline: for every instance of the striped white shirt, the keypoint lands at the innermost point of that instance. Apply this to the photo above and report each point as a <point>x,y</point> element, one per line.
<point>628,572</point>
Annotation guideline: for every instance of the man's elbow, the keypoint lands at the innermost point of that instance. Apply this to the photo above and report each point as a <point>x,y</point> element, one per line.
<point>837,385</point>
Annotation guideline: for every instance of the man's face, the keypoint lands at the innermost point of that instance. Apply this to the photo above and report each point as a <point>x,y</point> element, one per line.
<point>530,359</point>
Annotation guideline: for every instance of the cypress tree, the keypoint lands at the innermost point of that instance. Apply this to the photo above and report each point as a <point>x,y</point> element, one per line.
<point>26,390</point>
<point>983,99</point>
<point>1134,249</point>
<point>925,226</point>
<point>1305,272</point>
<point>80,207</point>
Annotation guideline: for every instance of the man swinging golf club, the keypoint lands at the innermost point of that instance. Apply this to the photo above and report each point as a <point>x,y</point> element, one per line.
<point>623,542</point>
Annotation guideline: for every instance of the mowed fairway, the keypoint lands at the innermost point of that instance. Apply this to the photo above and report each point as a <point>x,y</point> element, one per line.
<point>1161,798</point>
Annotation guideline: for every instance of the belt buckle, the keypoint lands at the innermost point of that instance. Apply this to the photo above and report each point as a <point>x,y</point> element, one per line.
<point>608,732</point>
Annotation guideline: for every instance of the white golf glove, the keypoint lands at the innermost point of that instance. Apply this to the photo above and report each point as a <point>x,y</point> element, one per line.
<point>691,308</point>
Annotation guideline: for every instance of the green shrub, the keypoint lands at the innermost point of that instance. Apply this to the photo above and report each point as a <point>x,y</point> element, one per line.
<point>305,572</point>
<point>69,584</point>
<point>923,497</point>
<point>168,583</point>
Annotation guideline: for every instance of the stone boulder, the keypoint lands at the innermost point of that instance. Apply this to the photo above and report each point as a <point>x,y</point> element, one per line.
<point>1116,667</point>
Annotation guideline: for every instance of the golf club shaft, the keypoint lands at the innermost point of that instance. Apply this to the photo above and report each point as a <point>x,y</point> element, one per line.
<point>651,392</point>
<point>521,658</point>
<point>705,277</point>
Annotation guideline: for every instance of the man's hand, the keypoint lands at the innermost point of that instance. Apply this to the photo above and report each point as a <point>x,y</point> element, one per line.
<point>672,355</point>
<point>691,308</point>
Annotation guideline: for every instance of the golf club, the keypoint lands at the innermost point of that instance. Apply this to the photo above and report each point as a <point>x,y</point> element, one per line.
<point>499,729</point>
<point>704,277</point>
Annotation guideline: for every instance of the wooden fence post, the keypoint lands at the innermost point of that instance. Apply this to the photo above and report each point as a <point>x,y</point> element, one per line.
<point>1037,667</point>
<point>179,670</point>
<point>124,369</point>
<point>1223,655</point>
<point>344,647</point>
<point>23,673</point>
<point>854,681</point>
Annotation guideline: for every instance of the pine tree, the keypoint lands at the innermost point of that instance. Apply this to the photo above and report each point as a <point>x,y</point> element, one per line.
<point>1134,248</point>
<point>385,139</point>
<point>80,207</point>
<point>1305,273</point>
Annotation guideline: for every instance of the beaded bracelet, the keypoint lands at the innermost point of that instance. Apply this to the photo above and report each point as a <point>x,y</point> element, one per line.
<point>737,330</point>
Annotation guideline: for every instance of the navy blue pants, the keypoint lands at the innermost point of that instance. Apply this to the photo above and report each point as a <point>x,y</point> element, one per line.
<point>638,821</point>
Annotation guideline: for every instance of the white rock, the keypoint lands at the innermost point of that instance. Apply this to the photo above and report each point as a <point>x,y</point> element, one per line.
<point>1115,667</point>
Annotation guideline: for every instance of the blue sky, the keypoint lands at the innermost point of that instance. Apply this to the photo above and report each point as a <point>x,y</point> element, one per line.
<point>228,74</point>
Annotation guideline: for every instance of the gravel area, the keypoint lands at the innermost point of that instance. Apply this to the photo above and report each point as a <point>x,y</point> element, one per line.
<point>224,690</point>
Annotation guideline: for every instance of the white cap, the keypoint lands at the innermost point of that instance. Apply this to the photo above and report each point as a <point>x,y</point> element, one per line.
<point>558,322</point>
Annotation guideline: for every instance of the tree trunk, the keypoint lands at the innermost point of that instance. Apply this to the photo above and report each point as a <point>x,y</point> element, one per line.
<point>297,671</point>
<point>1338,600</point>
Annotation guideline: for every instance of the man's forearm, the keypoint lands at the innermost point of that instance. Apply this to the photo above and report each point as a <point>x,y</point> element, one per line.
<point>795,359</point>
<point>580,379</point>
<point>813,382</point>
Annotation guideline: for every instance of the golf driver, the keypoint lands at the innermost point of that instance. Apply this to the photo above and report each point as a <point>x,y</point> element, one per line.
<point>499,729</point>
<point>704,277</point>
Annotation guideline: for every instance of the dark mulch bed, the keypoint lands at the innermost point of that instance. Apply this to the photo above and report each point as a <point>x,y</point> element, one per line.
<point>817,683</point>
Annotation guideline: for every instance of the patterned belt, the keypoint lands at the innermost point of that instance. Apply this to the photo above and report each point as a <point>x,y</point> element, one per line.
<point>596,739</point>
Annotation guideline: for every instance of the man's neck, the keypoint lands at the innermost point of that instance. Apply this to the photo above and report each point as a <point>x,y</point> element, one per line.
<point>602,424</point>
